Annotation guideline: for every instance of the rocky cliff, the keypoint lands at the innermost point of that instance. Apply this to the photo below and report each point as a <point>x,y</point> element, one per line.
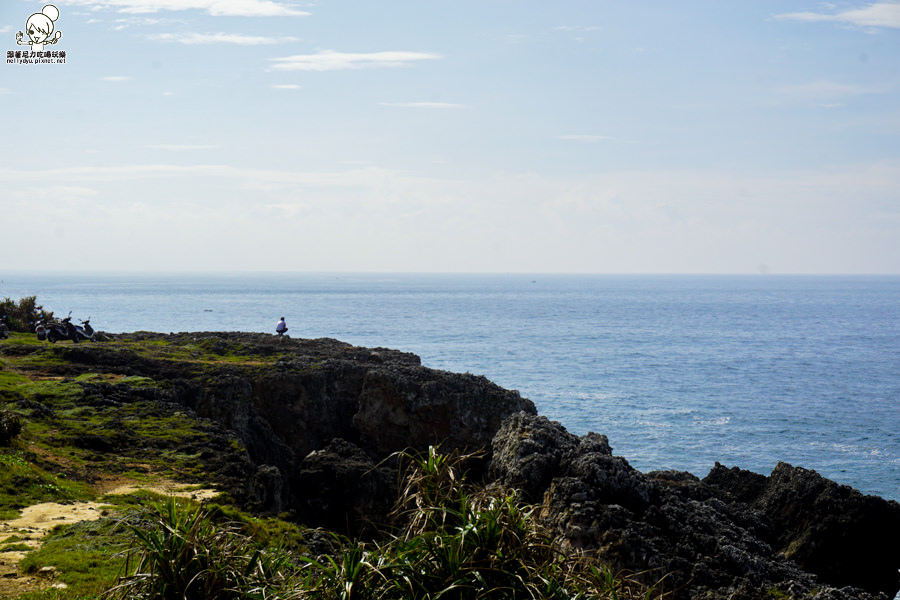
<point>319,419</point>
<point>318,422</point>
<point>734,534</point>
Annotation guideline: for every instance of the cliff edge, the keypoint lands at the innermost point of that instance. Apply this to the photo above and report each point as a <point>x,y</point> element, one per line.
<point>308,429</point>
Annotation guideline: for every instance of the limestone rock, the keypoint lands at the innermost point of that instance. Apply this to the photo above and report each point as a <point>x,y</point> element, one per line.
<point>287,399</point>
<point>710,539</point>
<point>340,488</point>
<point>832,530</point>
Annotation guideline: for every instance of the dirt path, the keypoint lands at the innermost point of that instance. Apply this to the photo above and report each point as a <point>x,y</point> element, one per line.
<point>37,520</point>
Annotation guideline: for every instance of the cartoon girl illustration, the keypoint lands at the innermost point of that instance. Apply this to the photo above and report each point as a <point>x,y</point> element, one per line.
<point>40,28</point>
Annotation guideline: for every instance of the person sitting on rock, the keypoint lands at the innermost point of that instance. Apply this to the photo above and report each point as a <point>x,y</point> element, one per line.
<point>281,328</point>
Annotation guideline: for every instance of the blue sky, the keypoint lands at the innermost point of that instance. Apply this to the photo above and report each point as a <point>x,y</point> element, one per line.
<point>498,136</point>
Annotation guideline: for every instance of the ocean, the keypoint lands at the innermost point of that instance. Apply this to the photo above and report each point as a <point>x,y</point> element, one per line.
<point>678,371</point>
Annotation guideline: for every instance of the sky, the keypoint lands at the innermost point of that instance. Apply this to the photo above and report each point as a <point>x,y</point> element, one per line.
<point>573,136</point>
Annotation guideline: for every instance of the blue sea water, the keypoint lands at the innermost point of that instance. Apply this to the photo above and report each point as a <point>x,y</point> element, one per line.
<point>678,371</point>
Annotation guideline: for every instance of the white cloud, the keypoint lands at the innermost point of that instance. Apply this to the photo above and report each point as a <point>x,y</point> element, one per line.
<point>127,22</point>
<point>824,89</point>
<point>62,192</point>
<point>4,91</point>
<point>179,147</point>
<point>329,60</point>
<point>193,38</point>
<point>578,28</point>
<point>424,104</point>
<point>116,78</point>
<point>581,137</point>
<point>877,14</point>
<point>833,220</point>
<point>348,178</point>
<point>216,8</point>
<point>285,86</point>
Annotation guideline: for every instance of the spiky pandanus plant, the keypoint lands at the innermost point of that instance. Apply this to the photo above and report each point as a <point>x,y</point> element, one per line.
<point>179,553</point>
<point>457,541</point>
<point>452,541</point>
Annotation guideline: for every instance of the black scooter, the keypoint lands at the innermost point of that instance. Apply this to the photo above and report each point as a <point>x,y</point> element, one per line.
<point>58,330</point>
<point>4,327</point>
<point>65,330</point>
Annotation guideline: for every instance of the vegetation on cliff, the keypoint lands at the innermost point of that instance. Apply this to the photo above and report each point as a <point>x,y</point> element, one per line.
<point>22,315</point>
<point>452,540</point>
<point>81,423</point>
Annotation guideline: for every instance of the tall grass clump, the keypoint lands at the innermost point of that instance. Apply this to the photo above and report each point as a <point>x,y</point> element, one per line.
<point>456,541</point>
<point>180,553</point>
<point>451,540</point>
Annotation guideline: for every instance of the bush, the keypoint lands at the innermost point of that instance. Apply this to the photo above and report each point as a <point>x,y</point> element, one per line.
<point>452,541</point>
<point>179,552</point>
<point>23,315</point>
<point>457,541</point>
<point>10,427</point>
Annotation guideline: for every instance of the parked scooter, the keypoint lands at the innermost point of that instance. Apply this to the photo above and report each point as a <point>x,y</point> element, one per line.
<point>65,330</point>
<point>4,327</point>
<point>40,328</point>
<point>84,331</point>
<point>58,330</point>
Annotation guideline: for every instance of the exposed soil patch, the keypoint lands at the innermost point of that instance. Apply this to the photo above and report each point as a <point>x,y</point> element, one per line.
<point>27,532</point>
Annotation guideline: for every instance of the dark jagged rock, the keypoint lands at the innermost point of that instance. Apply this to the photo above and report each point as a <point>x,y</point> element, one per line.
<point>340,487</point>
<point>733,535</point>
<point>528,452</point>
<point>287,400</point>
<point>267,488</point>
<point>744,486</point>
<point>831,530</point>
<point>316,419</point>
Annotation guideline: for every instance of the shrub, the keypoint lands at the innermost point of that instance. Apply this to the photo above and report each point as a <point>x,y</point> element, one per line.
<point>451,541</point>
<point>10,427</point>
<point>180,553</point>
<point>458,542</point>
<point>23,315</point>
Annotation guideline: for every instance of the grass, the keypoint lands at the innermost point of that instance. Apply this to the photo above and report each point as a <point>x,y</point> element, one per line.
<point>86,425</point>
<point>457,541</point>
<point>452,540</point>
<point>179,551</point>
<point>65,419</point>
<point>23,483</point>
<point>19,547</point>
<point>87,555</point>
<point>91,557</point>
